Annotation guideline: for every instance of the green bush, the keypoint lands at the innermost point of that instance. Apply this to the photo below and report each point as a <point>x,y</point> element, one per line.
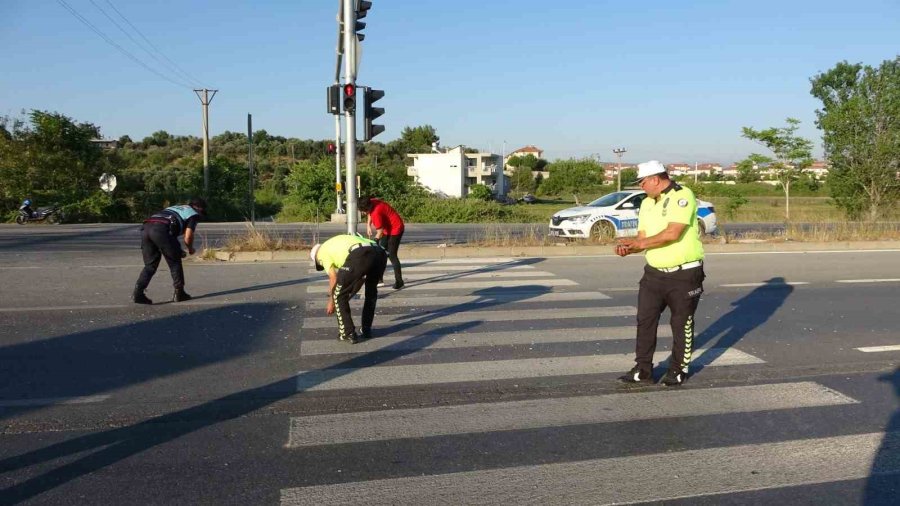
<point>480,192</point>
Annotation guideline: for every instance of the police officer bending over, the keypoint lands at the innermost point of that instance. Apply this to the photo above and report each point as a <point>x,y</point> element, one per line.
<point>673,276</point>
<point>351,262</point>
<point>159,237</point>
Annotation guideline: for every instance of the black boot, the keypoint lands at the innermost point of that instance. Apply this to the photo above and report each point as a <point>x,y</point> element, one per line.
<point>181,295</point>
<point>139,298</point>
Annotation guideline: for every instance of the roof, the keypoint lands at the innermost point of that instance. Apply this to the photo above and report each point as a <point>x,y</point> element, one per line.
<point>528,149</point>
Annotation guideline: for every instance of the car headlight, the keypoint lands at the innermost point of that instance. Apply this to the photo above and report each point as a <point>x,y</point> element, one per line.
<point>578,220</point>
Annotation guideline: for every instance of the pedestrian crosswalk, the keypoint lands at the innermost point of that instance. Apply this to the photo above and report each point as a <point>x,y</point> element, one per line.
<point>445,330</point>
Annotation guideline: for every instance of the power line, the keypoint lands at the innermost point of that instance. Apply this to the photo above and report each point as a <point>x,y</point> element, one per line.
<point>174,66</point>
<point>136,42</point>
<point>118,47</point>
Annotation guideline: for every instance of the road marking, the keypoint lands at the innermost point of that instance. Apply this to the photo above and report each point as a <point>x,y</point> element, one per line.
<point>448,276</point>
<point>885,280</point>
<point>460,372</point>
<point>425,341</point>
<point>774,285</point>
<point>459,300</point>
<point>536,284</point>
<point>119,306</point>
<point>555,412</point>
<point>18,403</point>
<point>876,349</point>
<point>454,268</point>
<point>642,478</point>
<point>441,316</point>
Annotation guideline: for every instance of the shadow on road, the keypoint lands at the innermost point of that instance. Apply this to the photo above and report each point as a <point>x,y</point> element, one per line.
<point>112,446</point>
<point>883,485</point>
<point>749,313</point>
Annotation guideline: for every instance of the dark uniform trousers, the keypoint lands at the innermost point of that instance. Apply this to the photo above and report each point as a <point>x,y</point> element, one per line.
<point>368,261</point>
<point>157,241</point>
<point>391,243</point>
<point>680,292</point>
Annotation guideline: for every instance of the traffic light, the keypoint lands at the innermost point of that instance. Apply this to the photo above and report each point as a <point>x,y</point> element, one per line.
<point>349,98</point>
<point>371,96</point>
<point>362,8</point>
<point>334,99</point>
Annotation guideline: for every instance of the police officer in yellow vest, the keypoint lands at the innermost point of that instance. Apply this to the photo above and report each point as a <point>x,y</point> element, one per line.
<point>673,276</point>
<point>351,262</point>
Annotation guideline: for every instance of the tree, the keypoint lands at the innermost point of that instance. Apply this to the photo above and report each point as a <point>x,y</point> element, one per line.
<point>568,175</point>
<point>418,139</point>
<point>860,121</point>
<point>747,169</point>
<point>480,192</point>
<point>522,179</point>
<point>629,176</point>
<point>792,154</point>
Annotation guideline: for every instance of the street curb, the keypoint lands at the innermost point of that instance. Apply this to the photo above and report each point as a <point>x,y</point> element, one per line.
<point>564,250</point>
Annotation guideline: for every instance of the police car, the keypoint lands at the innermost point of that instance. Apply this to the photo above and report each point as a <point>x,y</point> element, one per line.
<point>615,215</point>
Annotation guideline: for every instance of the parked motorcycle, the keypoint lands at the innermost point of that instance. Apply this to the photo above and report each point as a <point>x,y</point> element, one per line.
<point>49,214</point>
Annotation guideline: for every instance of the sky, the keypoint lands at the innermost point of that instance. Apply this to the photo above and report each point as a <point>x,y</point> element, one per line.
<point>665,79</point>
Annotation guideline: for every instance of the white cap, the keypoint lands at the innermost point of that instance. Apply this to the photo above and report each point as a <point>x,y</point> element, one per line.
<point>651,168</point>
<point>312,255</point>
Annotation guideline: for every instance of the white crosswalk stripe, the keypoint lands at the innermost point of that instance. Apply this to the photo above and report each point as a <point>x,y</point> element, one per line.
<point>459,300</point>
<point>436,317</point>
<point>445,420</point>
<point>711,471</point>
<point>459,372</point>
<point>473,339</point>
<point>412,321</point>
<point>470,285</point>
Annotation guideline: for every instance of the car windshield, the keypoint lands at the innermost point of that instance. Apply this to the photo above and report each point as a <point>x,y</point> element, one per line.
<point>609,200</point>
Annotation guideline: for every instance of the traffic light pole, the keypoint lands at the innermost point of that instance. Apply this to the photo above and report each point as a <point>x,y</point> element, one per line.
<point>349,12</point>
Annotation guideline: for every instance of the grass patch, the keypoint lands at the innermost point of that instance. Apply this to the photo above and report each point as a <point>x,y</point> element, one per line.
<point>257,239</point>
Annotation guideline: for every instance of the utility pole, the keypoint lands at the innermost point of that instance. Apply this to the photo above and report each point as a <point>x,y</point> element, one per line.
<point>350,45</point>
<point>205,99</point>
<point>695,173</point>
<point>250,198</point>
<point>619,152</point>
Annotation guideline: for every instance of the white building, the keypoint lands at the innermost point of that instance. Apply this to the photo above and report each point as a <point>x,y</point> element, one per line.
<point>451,174</point>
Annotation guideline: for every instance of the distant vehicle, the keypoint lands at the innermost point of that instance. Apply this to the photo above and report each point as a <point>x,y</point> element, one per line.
<point>616,215</point>
<point>529,198</point>
<point>27,214</point>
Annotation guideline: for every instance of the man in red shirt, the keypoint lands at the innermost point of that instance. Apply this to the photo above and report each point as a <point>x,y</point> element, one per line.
<point>388,231</point>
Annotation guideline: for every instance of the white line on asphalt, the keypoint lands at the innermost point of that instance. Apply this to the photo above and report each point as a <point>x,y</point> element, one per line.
<point>884,280</point>
<point>18,268</point>
<point>742,285</point>
<point>431,374</point>
<point>642,478</point>
<point>455,268</point>
<point>118,306</point>
<point>456,276</point>
<point>535,284</point>
<point>554,412</point>
<point>473,340</point>
<point>456,300</point>
<point>876,349</point>
<point>441,317</point>
<point>18,403</point>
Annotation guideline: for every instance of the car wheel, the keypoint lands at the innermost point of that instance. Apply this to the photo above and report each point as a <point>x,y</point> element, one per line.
<point>603,231</point>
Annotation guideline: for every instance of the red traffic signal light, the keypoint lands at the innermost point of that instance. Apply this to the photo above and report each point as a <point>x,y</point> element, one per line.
<point>331,148</point>
<point>349,98</point>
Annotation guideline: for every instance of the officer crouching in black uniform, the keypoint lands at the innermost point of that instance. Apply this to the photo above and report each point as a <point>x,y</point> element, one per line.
<point>159,237</point>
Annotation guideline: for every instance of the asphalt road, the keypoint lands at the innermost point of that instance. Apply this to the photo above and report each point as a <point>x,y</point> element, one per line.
<point>92,237</point>
<point>489,381</point>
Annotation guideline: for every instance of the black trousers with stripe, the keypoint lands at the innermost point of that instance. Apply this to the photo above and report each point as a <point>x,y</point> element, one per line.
<point>680,292</point>
<point>365,264</point>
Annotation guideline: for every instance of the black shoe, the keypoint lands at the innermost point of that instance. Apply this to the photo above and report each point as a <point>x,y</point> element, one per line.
<point>181,295</point>
<point>140,298</point>
<point>398,285</point>
<point>352,339</point>
<point>366,334</point>
<point>674,378</point>
<point>636,375</point>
